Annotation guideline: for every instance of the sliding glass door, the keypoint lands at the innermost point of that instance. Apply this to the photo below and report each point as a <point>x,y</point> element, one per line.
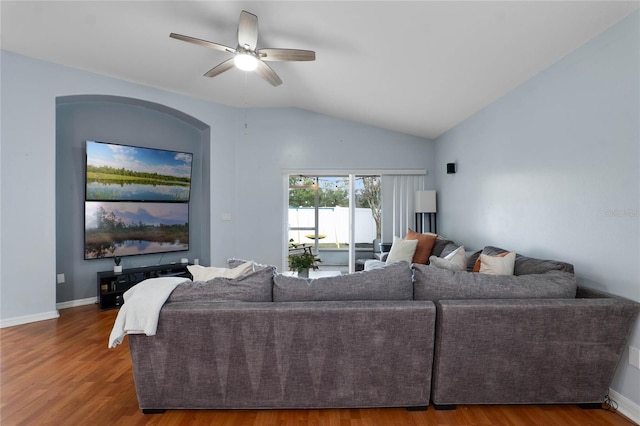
<point>338,216</point>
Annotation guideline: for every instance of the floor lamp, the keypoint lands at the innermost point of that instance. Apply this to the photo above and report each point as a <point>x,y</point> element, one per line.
<point>425,203</point>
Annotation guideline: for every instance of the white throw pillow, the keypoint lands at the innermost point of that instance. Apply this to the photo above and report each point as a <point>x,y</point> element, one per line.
<point>402,250</point>
<point>455,261</point>
<point>498,265</point>
<point>207,273</point>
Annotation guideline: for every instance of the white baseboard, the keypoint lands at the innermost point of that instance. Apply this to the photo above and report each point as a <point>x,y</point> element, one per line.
<point>626,407</point>
<point>75,303</point>
<point>10,322</point>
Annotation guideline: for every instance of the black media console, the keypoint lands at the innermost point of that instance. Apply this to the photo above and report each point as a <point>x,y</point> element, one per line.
<point>112,285</point>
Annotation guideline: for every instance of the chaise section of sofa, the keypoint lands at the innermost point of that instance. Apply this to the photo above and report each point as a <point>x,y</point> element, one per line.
<point>529,351</point>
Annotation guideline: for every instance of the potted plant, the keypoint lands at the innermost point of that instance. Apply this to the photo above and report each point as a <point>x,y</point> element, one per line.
<point>117,268</point>
<point>301,259</point>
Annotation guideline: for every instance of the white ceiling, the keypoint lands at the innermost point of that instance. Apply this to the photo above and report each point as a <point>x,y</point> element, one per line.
<point>417,67</point>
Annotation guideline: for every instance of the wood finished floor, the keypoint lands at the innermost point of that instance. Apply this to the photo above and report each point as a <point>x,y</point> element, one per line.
<point>60,372</point>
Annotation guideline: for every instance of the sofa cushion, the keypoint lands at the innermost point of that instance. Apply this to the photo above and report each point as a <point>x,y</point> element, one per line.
<point>528,265</point>
<point>424,247</point>
<point>433,283</point>
<point>402,250</point>
<point>253,287</point>
<point>393,282</point>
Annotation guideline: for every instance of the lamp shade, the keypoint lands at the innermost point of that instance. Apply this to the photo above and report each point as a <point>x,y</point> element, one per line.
<point>425,202</point>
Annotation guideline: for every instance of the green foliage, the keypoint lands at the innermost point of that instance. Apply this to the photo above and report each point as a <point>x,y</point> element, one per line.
<point>330,193</point>
<point>371,196</point>
<point>301,257</point>
<point>108,172</point>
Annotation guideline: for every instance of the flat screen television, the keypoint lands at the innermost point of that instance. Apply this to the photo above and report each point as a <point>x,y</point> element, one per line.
<point>124,228</point>
<point>117,172</point>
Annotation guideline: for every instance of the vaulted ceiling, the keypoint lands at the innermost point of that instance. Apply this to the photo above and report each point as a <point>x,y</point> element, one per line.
<point>417,67</point>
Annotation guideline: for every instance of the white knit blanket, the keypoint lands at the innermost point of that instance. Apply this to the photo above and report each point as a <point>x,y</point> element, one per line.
<point>141,309</point>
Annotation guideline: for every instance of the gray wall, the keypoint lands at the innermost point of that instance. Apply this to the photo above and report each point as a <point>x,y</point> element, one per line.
<point>552,170</point>
<point>124,121</point>
<point>245,172</point>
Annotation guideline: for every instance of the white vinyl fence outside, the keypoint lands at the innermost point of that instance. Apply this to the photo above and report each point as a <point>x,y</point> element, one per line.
<point>333,224</point>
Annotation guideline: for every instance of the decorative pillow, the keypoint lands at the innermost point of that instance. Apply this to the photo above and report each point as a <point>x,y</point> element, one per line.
<point>424,247</point>
<point>471,261</point>
<point>497,265</point>
<point>478,263</point>
<point>204,273</point>
<point>432,283</point>
<point>393,282</point>
<point>455,261</point>
<point>253,287</point>
<point>402,250</point>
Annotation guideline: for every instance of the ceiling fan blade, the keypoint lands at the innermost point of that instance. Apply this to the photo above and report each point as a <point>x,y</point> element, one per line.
<point>286,55</point>
<point>248,30</point>
<point>204,43</point>
<point>268,74</point>
<point>220,68</point>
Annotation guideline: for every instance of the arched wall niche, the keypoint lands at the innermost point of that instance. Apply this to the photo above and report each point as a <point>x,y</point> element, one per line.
<point>130,121</point>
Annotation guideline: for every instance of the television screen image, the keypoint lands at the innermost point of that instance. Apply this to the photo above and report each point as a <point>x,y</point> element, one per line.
<point>128,173</point>
<point>132,228</point>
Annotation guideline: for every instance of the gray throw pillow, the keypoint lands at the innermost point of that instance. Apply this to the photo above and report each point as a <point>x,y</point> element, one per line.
<point>393,282</point>
<point>439,246</point>
<point>254,287</point>
<point>432,283</point>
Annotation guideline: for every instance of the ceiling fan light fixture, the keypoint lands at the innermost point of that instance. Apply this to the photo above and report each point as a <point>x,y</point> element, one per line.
<point>246,61</point>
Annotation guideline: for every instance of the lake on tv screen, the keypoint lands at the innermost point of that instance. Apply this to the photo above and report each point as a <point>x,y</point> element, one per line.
<point>137,191</point>
<point>130,247</point>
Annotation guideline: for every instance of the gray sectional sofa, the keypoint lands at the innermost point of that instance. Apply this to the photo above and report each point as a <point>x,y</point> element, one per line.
<point>399,336</point>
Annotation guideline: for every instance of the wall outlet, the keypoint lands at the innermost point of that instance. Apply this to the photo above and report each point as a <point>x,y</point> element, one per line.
<point>226,217</point>
<point>196,261</point>
<point>634,357</point>
<point>60,278</point>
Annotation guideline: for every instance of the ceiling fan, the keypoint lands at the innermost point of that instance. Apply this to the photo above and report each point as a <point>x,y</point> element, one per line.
<point>247,56</point>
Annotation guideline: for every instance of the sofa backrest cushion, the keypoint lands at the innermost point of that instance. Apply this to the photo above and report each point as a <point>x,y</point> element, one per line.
<point>393,282</point>
<point>254,287</point>
<point>439,245</point>
<point>432,283</point>
<point>528,265</point>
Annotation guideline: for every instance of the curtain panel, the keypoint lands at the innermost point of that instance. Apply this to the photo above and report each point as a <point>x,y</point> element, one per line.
<point>398,213</point>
